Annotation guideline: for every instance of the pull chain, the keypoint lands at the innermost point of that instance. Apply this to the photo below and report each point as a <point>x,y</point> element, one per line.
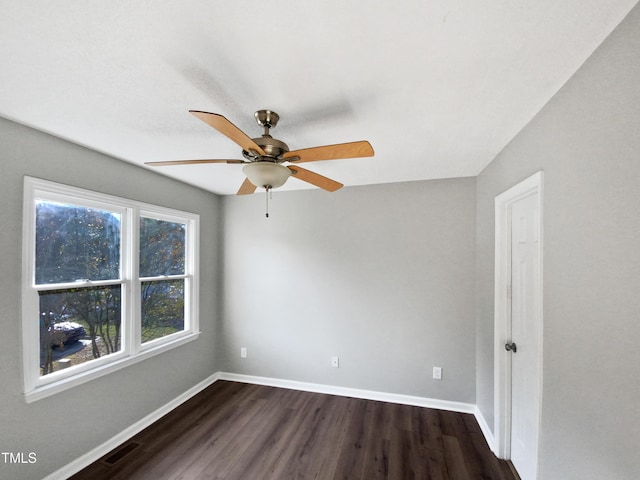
<point>267,194</point>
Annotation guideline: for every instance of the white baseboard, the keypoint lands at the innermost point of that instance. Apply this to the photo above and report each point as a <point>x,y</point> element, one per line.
<point>98,452</point>
<point>486,431</point>
<point>352,392</point>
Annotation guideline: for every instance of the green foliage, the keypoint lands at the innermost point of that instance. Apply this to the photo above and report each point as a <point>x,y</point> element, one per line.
<point>162,308</point>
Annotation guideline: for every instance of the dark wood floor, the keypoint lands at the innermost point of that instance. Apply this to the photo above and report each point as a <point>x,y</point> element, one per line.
<point>249,432</point>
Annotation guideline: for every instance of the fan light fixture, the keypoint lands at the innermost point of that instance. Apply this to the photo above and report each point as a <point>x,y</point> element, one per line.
<point>266,175</point>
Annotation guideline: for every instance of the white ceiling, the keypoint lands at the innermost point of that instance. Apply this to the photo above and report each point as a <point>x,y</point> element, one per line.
<point>438,87</point>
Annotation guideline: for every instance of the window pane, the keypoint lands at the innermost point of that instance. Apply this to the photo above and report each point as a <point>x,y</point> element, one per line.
<point>162,308</point>
<point>78,325</point>
<point>76,243</point>
<point>161,247</point>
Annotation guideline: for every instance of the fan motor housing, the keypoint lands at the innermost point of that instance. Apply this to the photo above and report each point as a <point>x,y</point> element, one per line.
<point>273,147</point>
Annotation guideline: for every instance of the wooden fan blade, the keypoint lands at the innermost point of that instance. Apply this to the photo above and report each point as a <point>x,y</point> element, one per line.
<point>227,128</point>
<point>246,188</point>
<point>331,152</point>
<point>315,179</point>
<point>190,162</point>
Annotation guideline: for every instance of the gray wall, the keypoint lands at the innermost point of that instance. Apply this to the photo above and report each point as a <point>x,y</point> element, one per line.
<point>587,141</point>
<point>63,427</point>
<point>382,276</point>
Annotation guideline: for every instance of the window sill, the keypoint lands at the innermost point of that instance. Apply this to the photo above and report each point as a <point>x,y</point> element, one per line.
<point>53,388</point>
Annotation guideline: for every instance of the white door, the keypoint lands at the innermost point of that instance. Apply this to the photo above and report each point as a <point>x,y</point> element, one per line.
<point>525,334</point>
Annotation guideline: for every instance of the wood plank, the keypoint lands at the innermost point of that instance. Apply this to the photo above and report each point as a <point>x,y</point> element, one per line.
<point>336,436</point>
<point>456,462</point>
<point>237,431</point>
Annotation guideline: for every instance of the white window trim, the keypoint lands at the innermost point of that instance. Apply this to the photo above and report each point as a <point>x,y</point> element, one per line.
<point>37,387</point>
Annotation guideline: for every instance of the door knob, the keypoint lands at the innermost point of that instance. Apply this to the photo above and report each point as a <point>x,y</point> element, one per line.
<point>510,347</point>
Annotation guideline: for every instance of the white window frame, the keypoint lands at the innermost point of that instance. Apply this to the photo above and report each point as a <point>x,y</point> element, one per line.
<point>133,351</point>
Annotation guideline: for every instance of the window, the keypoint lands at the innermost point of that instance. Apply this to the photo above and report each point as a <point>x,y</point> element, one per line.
<point>162,277</point>
<point>106,282</point>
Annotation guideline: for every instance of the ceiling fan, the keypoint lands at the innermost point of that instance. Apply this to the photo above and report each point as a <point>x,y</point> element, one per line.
<point>265,155</point>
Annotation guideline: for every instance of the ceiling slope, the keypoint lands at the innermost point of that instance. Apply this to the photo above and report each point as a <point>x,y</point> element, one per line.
<point>437,87</point>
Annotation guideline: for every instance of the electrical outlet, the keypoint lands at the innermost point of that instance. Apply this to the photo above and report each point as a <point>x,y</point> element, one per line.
<point>335,362</point>
<point>243,352</point>
<point>437,373</point>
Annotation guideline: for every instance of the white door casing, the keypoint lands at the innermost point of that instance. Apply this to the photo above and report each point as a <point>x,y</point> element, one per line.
<point>518,319</point>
